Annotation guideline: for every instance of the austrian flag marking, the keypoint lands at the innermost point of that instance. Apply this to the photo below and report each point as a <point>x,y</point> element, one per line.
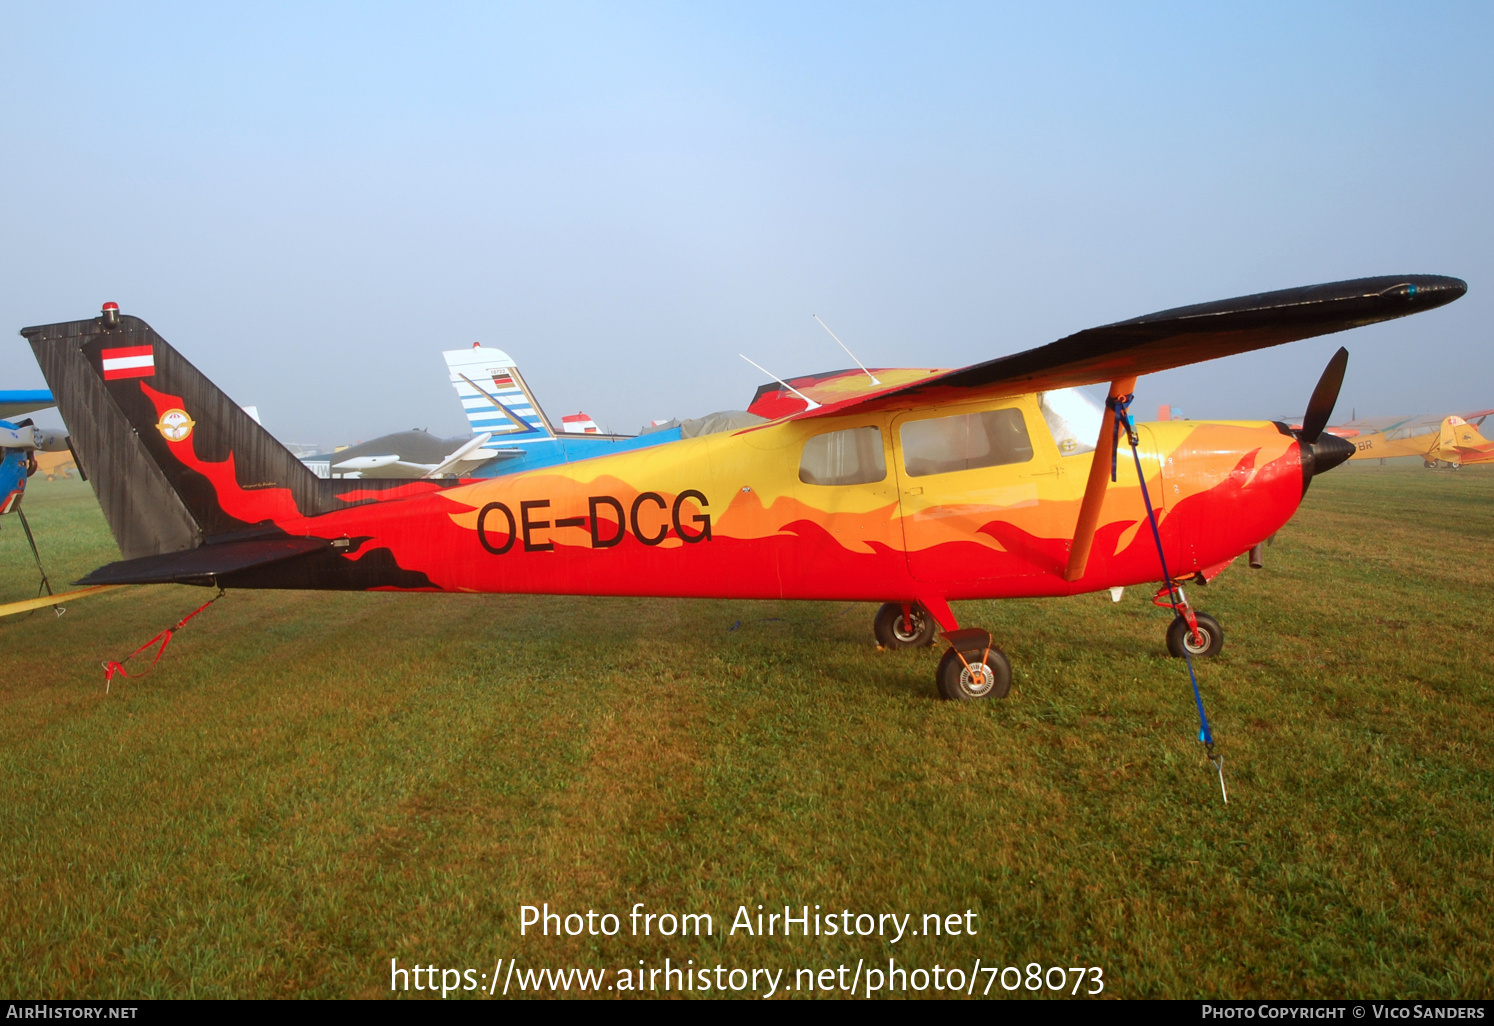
<point>130,362</point>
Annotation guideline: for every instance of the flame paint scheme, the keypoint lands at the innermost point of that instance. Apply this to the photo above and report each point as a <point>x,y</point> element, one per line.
<point>196,492</point>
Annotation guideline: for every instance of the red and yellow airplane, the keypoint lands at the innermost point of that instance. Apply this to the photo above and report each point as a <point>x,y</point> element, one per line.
<point>909,487</point>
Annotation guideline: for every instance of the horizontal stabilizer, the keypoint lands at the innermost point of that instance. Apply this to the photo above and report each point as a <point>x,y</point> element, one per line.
<point>202,564</point>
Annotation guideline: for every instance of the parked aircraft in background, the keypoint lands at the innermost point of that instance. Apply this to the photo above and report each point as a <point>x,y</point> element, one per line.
<point>1459,443</point>
<point>20,441</point>
<point>1388,437</point>
<point>405,454</point>
<point>912,488</point>
<point>56,466</point>
<point>579,424</point>
<point>17,402</point>
<point>510,432</point>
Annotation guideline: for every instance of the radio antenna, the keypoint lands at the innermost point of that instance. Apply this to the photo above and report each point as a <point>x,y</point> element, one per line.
<point>848,351</point>
<point>812,404</point>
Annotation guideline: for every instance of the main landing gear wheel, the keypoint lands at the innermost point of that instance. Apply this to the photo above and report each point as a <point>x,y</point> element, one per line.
<point>1181,639</point>
<point>894,631</point>
<point>973,669</point>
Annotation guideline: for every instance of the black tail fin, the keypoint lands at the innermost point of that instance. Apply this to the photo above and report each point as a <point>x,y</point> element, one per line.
<point>170,457</point>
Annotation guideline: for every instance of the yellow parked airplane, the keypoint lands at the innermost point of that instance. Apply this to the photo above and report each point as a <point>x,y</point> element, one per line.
<point>1459,443</point>
<point>1439,441</point>
<point>56,466</point>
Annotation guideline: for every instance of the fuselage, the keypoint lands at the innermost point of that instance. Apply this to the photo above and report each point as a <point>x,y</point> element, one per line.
<point>969,500</point>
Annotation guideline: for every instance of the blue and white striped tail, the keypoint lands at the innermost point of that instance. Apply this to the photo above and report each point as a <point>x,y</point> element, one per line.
<point>486,377</point>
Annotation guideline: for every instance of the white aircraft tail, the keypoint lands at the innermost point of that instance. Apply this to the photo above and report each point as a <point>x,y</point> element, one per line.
<point>494,395</point>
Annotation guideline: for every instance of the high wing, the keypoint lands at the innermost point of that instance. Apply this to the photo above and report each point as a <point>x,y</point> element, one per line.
<point>471,455</point>
<point>458,464</point>
<point>1173,338</point>
<point>388,465</point>
<point>15,402</point>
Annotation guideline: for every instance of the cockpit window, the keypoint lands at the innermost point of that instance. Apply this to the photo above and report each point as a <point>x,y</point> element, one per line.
<point>852,456</point>
<point>946,444</point>
<point>1073,417</point>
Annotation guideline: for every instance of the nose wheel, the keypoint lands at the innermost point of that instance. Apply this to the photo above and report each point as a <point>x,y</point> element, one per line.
<point>1191,633</point>
<point>973,668</point>
<point>1206,641</point>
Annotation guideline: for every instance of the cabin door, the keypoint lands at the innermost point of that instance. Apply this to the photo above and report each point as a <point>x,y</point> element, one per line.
<point>981,489</point>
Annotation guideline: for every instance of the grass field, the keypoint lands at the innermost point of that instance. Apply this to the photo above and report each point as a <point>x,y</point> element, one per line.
<point>311,784</point>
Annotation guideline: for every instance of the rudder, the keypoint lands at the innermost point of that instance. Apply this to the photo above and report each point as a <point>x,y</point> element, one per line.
<point>1457,433</point>
<point>174,462</point>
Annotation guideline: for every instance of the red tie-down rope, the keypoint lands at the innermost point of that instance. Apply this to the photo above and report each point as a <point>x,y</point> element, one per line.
<point>112,667</point>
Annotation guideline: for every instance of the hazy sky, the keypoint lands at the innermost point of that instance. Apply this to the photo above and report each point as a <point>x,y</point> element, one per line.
<point>310,202</point>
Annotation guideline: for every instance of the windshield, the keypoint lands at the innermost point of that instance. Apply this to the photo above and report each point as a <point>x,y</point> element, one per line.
<point>1073,417</point>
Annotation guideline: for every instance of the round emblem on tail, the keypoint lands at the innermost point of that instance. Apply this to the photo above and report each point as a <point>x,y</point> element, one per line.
<point>175,425</point>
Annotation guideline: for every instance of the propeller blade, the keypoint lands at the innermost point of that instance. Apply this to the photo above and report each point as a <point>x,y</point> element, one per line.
<point>1320,406</point>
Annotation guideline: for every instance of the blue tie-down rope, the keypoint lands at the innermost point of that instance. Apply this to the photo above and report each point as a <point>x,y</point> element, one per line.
<point>1120,406</point>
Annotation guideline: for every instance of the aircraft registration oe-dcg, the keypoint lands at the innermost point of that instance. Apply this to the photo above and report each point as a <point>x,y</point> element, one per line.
<point>912,488</point>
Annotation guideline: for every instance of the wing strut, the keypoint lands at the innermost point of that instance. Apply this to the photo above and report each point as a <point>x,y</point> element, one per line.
<point>1099,479</point>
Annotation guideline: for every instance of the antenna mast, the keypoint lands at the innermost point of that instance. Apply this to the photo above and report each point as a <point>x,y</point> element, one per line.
<point>852,355</point>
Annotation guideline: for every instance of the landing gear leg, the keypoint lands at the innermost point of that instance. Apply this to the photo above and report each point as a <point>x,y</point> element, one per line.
<point>973,668</point>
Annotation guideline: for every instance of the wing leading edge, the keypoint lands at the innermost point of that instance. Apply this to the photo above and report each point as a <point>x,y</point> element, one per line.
<point>1174,338</point>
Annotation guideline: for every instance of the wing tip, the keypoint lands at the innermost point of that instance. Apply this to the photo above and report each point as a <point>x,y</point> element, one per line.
<point>1411,292</point>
